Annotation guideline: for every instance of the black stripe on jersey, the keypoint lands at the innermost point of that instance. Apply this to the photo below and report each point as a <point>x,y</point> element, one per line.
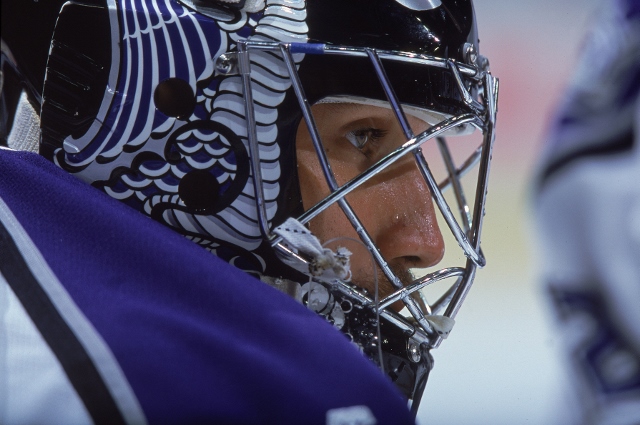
<point>621,144</point>
<point>75,361</point>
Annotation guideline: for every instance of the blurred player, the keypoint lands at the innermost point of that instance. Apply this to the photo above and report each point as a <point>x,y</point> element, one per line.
<point>588,216</point>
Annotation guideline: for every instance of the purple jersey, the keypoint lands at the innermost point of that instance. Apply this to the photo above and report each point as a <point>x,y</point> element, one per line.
<point>107,316</point>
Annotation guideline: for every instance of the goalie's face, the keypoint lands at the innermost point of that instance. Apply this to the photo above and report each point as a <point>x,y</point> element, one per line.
<point>394,206</point>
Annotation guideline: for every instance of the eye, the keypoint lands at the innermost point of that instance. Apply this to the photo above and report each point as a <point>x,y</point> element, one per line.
<point>361,137</point>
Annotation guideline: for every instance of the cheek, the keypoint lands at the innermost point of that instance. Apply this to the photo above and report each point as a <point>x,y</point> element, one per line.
<point>312,184</point>
<point>331,222</point>
<point>311,175</point>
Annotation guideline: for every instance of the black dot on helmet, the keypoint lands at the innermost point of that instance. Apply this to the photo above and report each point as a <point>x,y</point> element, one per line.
<point>199,190</point>
<point>174,98</point>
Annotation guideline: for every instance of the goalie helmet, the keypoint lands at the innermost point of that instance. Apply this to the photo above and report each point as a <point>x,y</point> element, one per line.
<point>188,111</point>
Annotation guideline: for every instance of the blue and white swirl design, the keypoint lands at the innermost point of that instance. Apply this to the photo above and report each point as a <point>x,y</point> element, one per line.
<point>139,155</point>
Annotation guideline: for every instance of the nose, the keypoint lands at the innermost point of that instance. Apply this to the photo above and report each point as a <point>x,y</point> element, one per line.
<point>408,234</point>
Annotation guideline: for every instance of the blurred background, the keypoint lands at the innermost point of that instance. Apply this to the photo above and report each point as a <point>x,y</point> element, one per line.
<point>501,363</point>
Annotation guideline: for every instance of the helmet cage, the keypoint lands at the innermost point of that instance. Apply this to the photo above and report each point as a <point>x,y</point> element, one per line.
<point>466,231</point>
<point>422,336</point>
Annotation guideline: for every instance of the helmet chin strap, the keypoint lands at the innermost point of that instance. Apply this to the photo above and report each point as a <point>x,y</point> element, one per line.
<point>327,266</point>
<point>25,132</point>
